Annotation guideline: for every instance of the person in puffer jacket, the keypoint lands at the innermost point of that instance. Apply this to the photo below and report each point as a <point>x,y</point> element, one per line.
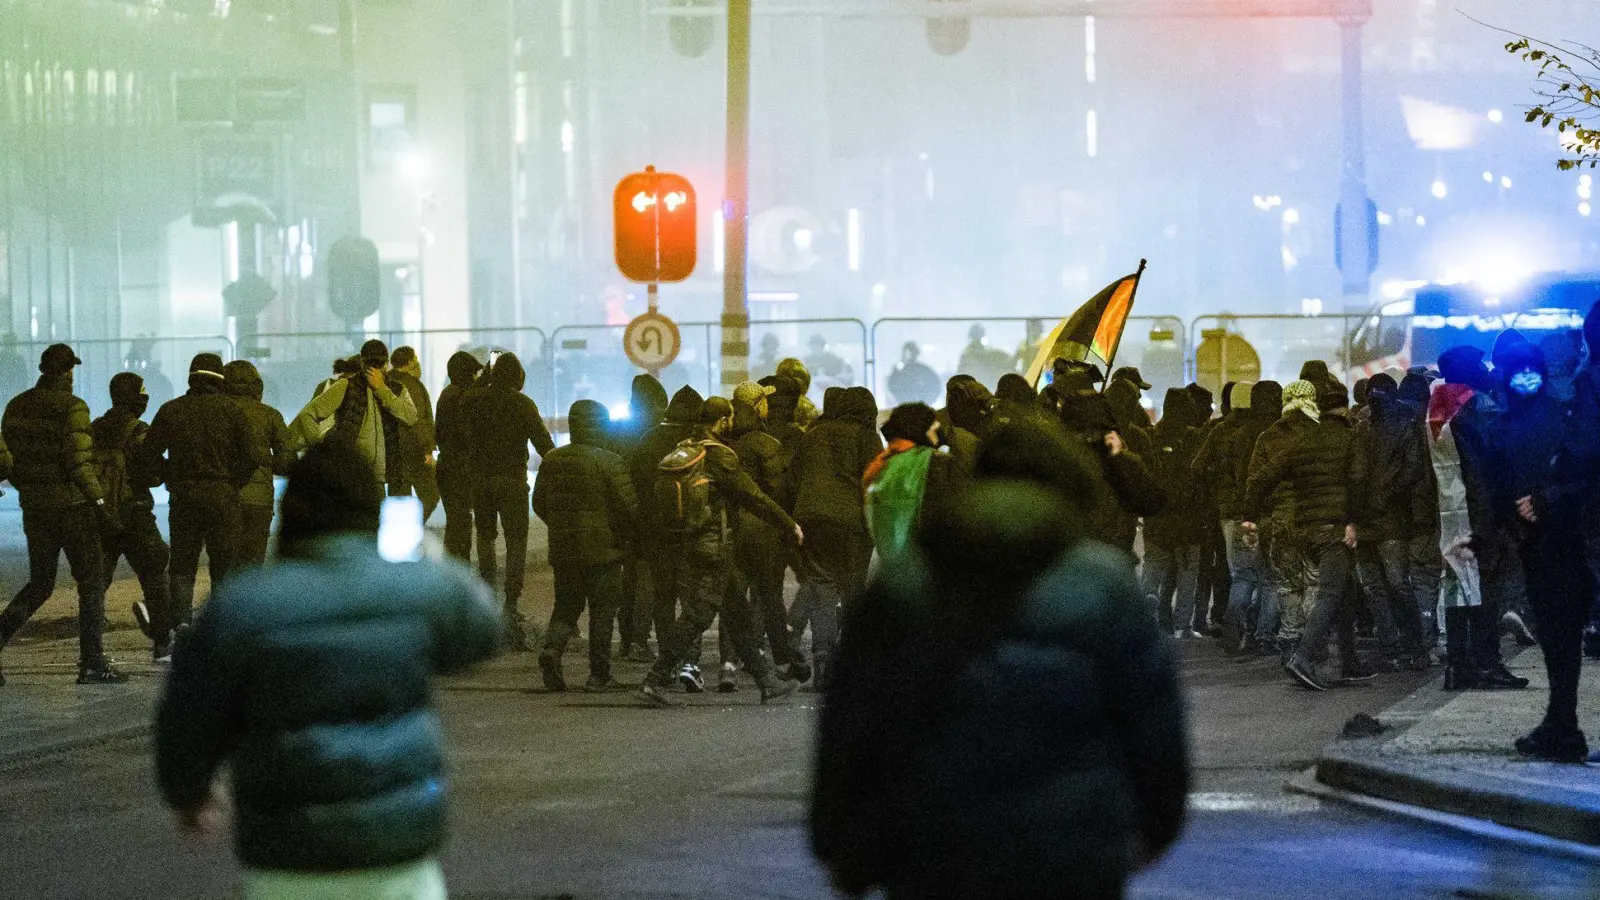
<point>312,681</point>
<point>585,498</point>
<point>275,446</point>
<point>1172,536</point>
<point>456,458</point>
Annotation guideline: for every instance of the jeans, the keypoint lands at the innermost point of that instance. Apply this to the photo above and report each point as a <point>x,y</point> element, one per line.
<point>255,532</point>
<point>455,489</point>
<point>597,588</point>
<point>1561,589</point>
<point>705,571</point>
<point>1249,594</point>
<point>201,516</point>
<point>1331,564</point>
<point>1171,582</point>
<point>50,532</point>
<point>141,542</point>
<point>502,500</point>
<point>1384,568</point>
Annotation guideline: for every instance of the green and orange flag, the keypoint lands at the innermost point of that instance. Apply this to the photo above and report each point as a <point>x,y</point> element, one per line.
<point>1093,333</point>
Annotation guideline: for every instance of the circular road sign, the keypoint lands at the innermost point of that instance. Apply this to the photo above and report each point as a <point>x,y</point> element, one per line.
<point>652,341</point>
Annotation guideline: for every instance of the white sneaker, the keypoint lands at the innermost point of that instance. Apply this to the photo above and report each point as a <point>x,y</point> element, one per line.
<point>689,676</point>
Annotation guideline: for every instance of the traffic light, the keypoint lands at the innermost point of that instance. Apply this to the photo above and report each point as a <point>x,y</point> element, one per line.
<point>949,36</point>
<point>691,36</point>
<point>354,288</point>
<point>655,226</point>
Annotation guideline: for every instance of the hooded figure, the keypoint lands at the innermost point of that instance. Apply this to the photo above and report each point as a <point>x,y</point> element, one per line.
<point>1173,536</point>
<point>966,407</point>
<point>1006,604</point>
<point>455,465</point>
<point>647,408</point>
<point>905,477</point>
<point>275,445</point>
<point>644,466</point>
<point>760,550</point>
<point>1316,372</point>
<point>586,500</point>
<point>1132,423</point>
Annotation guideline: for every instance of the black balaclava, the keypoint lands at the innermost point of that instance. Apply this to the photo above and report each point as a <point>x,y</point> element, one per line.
<point>128,394</point>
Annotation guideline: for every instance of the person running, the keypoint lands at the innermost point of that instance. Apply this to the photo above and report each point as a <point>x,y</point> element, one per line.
<point>119,441</point>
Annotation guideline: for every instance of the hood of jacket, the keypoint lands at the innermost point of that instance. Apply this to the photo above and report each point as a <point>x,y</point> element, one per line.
<point>1123,396</point>
<point>685,407</point>
<point>202,383</point>
<point>1178,410</point>
<point>463,368</point>
<point>966,400</point>
<point>648,401</point>
<point>242,379</point>
<point>859,406</point>
<point>508,373</point>
<point>1266,399</point>
<point>587,421</point>
<point>1506,344</point>
<point>1387,406</point>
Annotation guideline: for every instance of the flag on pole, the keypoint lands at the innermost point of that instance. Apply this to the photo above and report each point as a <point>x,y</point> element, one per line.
<point>1093,333</point>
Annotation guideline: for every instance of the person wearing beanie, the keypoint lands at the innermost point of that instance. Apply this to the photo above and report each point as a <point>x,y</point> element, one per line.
<point>127,474</point>
<point>48,432</point>
<point>708,488</point>
<point>364,409</point>
<point>274,444</point>
<point>211,454</point>
<point>1479,554</point>
<point>586,500</point>
<point>341,790</point>
<point>455,455</point>
<point>1269,513</point>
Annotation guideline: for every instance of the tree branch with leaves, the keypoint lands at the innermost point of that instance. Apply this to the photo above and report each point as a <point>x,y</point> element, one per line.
<point>1567,81</point>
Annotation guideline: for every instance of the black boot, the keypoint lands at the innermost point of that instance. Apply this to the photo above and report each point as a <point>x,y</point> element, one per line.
<point>1496,677</point>
<point>1554,745</point>
<point>1460,678</point>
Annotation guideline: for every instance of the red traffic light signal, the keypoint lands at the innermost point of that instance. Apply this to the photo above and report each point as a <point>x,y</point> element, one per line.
<point>655,226</point>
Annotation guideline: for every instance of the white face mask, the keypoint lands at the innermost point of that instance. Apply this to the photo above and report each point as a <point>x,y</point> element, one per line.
<point>1527,383</point>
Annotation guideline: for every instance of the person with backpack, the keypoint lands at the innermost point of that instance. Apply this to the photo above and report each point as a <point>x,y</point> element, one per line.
<point>63,508</point>
<point>275,445</point>
<point>210,454</point>
<point>127,473</point>
<point>455,466</point>
<point>584,496</point>
<point>699,487</point>
<point>364,410</point>
<point>502,422</point>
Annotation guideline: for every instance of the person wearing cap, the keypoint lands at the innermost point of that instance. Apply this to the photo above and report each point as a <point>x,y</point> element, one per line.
<point>63,504</point>
<point>119,438</point>
<point>365,410</point>
<point>705,563</point>
<point>275,445</point>
<point>211,455</point>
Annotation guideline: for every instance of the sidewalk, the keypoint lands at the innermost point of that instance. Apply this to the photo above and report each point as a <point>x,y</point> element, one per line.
<point>1452,753</point>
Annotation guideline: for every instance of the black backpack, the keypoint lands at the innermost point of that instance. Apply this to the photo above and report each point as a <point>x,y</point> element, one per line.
<point>683,489</point>
<point>111,468</point>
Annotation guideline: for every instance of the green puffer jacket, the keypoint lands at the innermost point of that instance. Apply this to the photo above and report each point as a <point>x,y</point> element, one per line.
<point>48,431</point>
<point>274,443</point>
<point>312,678</point>
<point>583,494</point>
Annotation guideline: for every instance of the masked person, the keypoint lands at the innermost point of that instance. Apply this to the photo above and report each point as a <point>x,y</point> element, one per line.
<point>48,432</point>
<point>456,465</point>
<point>127,474</point>
<point>275,445</point>
<point>700,488</point>
<point>364,410</point>
<point>211,455</point>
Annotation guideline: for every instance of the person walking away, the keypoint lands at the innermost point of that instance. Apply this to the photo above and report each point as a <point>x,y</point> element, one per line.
<point>760,550</point>
<point>456,460</point>
<point>274,445</point>
<point>311,680</point>
<point>210,456</point>
<point>47,430</point>
<point>1394,497</point>
<point>966,404</point>
<point>416,474</point>
<point>1426,569</point>
<point>1547,471</point>
<point>827,474</point>
<point>585,498</point>
<point>127,473</point>
<point>1269,515</point>
<point>679,424</point>
<point>646,409</point>
<point>503,422</point>
<point>1172,536</point>
<point>908,477</point>
<point>700,486</point>
<point>1461,424</point>
<point>1003,671</point>
<point>1089,421</point>
<point>1214,468</point>
<point>1212,594</point>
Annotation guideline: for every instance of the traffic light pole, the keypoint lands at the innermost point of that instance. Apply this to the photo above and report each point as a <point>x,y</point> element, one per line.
<point>1354,236</point>
<point>735,209</point>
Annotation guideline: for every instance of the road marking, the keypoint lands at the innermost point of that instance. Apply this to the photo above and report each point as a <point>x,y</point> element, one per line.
<point>1223,801</point>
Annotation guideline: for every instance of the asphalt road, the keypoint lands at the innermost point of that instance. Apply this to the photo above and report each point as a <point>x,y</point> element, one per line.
<point>589,796</point>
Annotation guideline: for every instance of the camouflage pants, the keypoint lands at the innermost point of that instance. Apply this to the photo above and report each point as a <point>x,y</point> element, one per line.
<point>1289,571</point>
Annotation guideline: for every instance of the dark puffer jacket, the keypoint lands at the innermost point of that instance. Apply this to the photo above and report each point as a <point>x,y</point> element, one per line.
<point>206,438</point>
<point>503,421</point>
<point>312,677</point>
<point>1319,467</point>
<point>1396,501</point>
<point>1275,440</point>
<point>584,496</point>
<point>831,461</point>
<point>762,458</point>
<point>1176,440</point>
<point>52,447</point>
<point>270,433</point>
<point>451,430</point>
<point>644,465</point>
<point>1005,719</point>
<point>1234,446</point>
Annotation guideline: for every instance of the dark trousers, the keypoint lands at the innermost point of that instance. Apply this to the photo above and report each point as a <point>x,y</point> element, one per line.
<point>201,517</point>
<point>831,570</point>
<point>761,568</point>
<point>1472,636</point>
<point>597,588</point>
<point>665,563</point>
<point>255,531</point>
<point>422,482</point>
<point>455,490</point>
<point>1332,609</point>
<point>141,542</point>
<point>1384,568</point>
<point>50,532</point>
<point>501,501</point>
<point>1560,588</point>
<point>634,606</point>
<point>704,574</point>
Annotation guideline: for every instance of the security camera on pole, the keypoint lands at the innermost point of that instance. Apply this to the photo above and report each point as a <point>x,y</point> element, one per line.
<point>655,242</point>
